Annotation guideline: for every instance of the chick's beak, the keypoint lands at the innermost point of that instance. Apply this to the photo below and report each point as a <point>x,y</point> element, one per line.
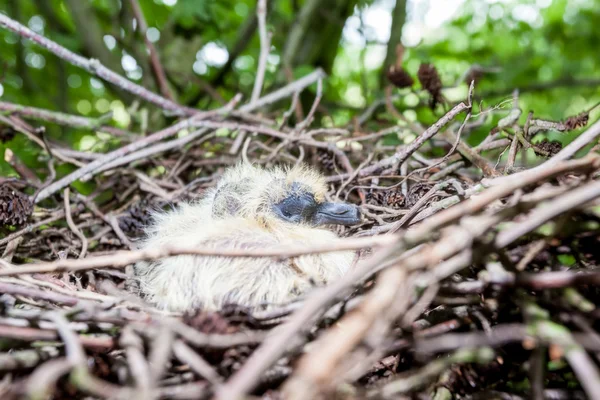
<point>337,213</point>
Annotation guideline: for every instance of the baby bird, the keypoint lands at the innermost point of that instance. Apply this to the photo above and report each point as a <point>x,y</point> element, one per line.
<point>250,208</point>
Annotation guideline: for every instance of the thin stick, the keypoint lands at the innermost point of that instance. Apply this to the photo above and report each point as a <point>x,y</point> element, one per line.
<point>311,113</point>
<point>317,367</point>
<point>157,68</point>
<point>58,215</point>
<point>187,355</point>
<point>407,151</point>
<point>93,167</point>
<point>580,142</point>
<point>73,227</point>
<point>285,91</point>
<point>562,204</point>
<point>151,151</point>
<point>265,46</point>
<point>121,259</point>
<point>75,121</point>
<point>94,67</point>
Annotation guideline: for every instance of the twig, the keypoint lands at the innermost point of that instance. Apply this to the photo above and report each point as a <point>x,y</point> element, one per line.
<point>160,353</point>
<point>38,294</point>
<point>311,113</point>
<point>407,151</point>
<point>121,259</point>
<point>294,87</point>
<point>74,121</point>
<point>80,375</point>
<point>114,224</point>
<point>265,47</point>
<point>41,381</point>
<point>159,72</point>
<point>150,151</point>
<point>93,167</point>
<point>539,216</point>
<point>537,372</point>
<point>55,217</point>
<point>187,355</point>
<point>315,371</point>
<point>138,366</point>
<point>412,381</point>
<point>285,91</point>
<point>500,335</point>
<point>532,252</point>
<point>580,142</point>
<point>533,175</point>
<point>28,131</point>
<point>582,365</point>
<point>72,226</point>
<point>216,341</point>
<point>94,67</point>
<point>32,334</point>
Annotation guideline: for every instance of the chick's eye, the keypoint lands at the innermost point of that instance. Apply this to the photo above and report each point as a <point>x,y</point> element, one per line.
<point>291,209</point>
<point>287,212</point>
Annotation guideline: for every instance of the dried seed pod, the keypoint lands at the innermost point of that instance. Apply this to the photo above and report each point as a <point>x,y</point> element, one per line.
<point>390,198</point>
<point>209,322</point>
<point>577,121</point>
<point>430,80</point>
<point>399,77</point>
<point>550,147</point>
<point>15,207</point>
<point>394,199</point>
<point>7,133</point>
<point>233,359</point>
<point>375,198</point>
<point>417,191</point>
<point>326,159</point>
<point>475,74</point>
<point>136,218</point>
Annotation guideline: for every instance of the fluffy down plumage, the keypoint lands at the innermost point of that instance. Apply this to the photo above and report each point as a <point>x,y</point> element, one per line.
<point>237,214</point>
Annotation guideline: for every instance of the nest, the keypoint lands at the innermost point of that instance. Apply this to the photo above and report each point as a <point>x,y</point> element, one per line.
<point>479,278</point>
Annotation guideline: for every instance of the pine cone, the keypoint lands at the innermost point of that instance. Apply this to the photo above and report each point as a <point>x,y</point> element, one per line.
<point>550,147</point>
<point>7,133</point>
<point>390,198</point>
<point>375,198</point>
<point>577,121</point>
<point>209,322</point>
<point>15,207</point>
<point>137,217</point>
<point>430,80</point>
<point>234,358</point>
<point>475,74</point>
<point>417,191</point>
<point>393,198</point>
<point>399,77</point>
<point>326,159</point>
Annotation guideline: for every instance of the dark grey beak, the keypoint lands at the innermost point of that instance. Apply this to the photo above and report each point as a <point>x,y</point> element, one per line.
<point>337,213</point>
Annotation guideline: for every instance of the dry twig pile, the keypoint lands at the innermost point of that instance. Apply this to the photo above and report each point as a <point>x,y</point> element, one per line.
<point>479,277</point>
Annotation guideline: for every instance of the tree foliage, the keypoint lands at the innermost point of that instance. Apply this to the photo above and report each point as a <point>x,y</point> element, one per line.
<point>548,53</point>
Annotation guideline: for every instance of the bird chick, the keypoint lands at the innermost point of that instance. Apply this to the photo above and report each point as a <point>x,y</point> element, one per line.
<point>250,208</point>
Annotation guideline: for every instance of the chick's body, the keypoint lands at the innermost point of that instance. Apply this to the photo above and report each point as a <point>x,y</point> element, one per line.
<point>237,214</point>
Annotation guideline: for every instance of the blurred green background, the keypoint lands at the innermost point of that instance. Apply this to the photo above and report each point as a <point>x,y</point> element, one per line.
<point>548,49</point>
